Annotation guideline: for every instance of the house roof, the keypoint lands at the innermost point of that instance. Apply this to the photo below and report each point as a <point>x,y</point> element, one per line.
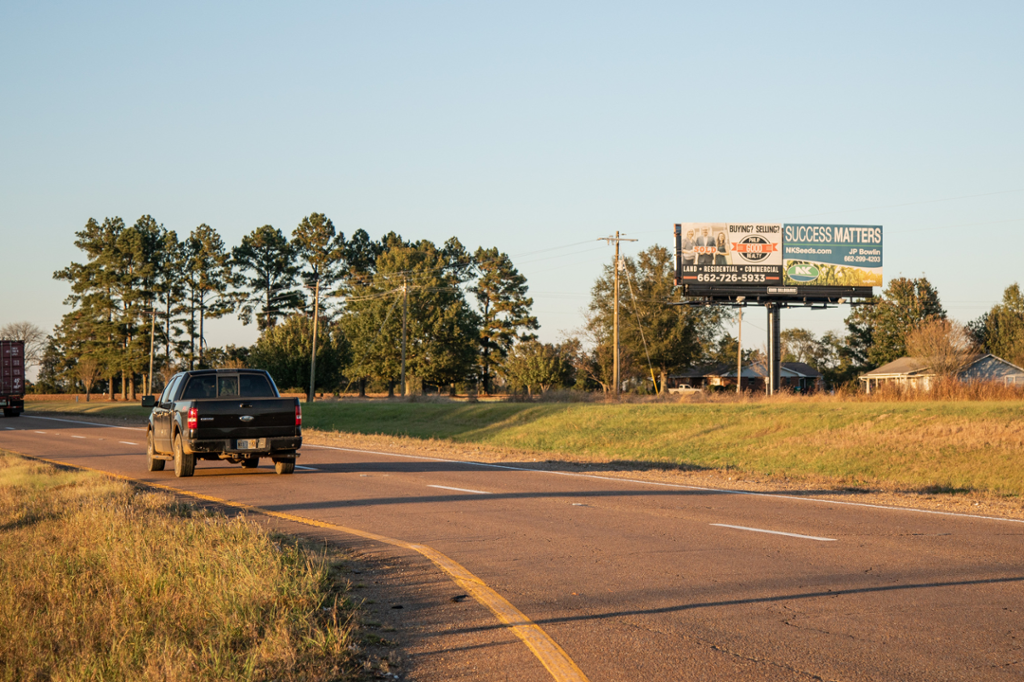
<point>719,370</point>
<point>802,368</point>
<point>919,367</point>
<point>904,366</point>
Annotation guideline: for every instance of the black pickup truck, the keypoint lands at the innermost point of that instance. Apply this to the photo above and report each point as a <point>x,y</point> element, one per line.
<point>231,414</point>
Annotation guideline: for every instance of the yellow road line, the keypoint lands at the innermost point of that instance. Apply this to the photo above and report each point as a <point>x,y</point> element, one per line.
<point>547,651</point>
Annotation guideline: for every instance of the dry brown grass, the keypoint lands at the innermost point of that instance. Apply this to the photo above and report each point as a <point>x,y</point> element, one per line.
<point>104,582</point>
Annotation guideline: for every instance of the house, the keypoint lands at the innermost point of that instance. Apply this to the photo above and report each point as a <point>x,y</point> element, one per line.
<point>915,373</point>
<point>794,376</point>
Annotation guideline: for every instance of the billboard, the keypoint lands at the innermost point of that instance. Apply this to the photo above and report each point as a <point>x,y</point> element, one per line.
<point>832,255</point>
<point>729,253</point>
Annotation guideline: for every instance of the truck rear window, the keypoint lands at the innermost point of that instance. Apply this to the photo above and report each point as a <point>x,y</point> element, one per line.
<point>228,386</point>
<point>200,387</point>
<point>255,386</point>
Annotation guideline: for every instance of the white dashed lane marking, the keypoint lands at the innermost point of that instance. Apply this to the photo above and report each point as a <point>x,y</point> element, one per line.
<point>127,442</point>
<point>459,490</point>
<point>774,532</point>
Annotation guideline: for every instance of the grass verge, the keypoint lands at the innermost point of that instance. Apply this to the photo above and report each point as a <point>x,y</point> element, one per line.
<point>953,446</point>
<point>98,407</point>
<point>103,581</point>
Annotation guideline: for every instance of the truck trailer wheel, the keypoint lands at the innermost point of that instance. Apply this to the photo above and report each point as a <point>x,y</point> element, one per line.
<point>284,466</point>
<point>153,463</point>
<point>184,465</point>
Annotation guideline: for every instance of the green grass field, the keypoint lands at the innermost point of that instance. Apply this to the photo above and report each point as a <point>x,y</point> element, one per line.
<point>96,407</point>
<point>950,445</point>
<point>955,445</point>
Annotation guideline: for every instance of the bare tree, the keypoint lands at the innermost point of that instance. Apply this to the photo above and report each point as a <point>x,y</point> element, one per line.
<point>944,345</point>
<point>33,336</point>
<point>87,370</point>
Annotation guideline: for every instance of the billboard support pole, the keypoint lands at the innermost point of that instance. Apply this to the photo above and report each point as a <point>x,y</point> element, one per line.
<point>739,355</point>
<point>774,347</point>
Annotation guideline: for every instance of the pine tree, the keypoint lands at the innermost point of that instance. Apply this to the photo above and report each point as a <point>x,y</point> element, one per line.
<point>500,292</point>
<point>206,277</point>
<point>1002,328</point>
<point>267,275</point>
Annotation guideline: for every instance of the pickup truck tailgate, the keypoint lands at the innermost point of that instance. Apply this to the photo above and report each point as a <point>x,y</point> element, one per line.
<point>245,418</point>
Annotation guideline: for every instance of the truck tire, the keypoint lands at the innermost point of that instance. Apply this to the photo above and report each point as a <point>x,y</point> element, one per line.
<point>250,462</point>
<point>184,465</point>
<point>284,466</point>
<point>153,463</point>
<point>12,413</point>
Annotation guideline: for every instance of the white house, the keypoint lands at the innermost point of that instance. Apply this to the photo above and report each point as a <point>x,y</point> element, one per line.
<point>915,372</point>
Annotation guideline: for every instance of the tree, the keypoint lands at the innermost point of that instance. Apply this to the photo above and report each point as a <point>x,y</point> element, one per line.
<point>653,323</point>
<point>837,363</point>
<point>800,345</point>
<point>500,292</point>
<point>206,278</point>
<point>87,371</point>
<point>229,357</point>
<point>93,298</point>
<point>286,351</point>
<point>878,333</point>
<point>1001,330</point>
<point>361,254</point>
<point>320,249</point>
<point>112,292</point>
<point>420,283</point>
<point>33,336</point>
<point>532,365</point>
<point>269,287</point>
<point>945,346</point>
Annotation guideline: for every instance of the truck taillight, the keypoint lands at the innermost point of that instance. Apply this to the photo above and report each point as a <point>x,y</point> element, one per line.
<point>193,418</point>
<point>298,415</point>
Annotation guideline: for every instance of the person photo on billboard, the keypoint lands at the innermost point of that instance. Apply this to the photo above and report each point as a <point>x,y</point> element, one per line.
<point>721,250</point>
<point>688,253</point>
<point>705,247</point>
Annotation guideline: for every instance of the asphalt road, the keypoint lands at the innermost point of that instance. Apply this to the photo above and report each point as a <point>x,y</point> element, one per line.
<point>644,581</point>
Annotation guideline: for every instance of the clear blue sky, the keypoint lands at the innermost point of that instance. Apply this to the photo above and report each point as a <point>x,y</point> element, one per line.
<point>536,127</point>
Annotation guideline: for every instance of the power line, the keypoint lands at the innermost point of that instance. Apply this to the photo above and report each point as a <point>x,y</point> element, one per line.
<point>912,203</point>
<point>553,248</point>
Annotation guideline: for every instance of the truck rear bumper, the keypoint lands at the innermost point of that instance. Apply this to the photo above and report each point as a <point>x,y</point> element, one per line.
<point>215,449</point>
<point>12,405</point>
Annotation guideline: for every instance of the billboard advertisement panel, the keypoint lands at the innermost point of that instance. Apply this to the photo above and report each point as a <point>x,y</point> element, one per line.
<point>832,255</point>
<point>730,253</point>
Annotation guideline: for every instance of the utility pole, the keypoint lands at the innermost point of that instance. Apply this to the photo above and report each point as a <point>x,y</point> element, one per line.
<point>615,314</point>
<point>405,320</point>
<point>152,347</point>
<point>316,319</point>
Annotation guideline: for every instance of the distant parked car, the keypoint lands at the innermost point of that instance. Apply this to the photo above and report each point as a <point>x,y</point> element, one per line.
<point>685,390</point>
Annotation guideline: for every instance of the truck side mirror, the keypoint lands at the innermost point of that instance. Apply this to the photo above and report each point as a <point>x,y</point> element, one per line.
<point>148,400</point>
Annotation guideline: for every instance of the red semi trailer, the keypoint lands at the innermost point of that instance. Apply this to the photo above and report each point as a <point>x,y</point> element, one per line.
<point>12,377</point>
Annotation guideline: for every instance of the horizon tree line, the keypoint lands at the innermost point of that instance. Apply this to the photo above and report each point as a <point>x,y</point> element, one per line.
<point>466,316</point>
<point>141,284</point>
